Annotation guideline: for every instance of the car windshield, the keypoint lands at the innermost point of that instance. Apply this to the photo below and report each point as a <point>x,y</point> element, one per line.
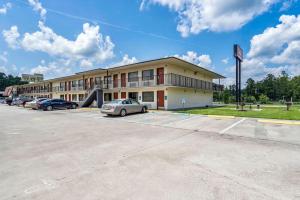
<point>117,101</point>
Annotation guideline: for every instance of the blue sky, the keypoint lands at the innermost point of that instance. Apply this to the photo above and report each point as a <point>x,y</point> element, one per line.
<point>47,36</point>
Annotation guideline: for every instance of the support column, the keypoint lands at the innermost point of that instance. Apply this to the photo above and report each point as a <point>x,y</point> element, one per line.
<point>240,87</point>
<point>99,98</point>
<point>237,83</point>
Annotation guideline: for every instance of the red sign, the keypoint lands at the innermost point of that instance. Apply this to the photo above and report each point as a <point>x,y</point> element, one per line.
<point>238,52</point>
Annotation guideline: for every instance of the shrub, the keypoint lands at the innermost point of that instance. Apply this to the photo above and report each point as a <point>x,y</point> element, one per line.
<point>232,99</point>
<point>263,99</point>
<point>250,99</point>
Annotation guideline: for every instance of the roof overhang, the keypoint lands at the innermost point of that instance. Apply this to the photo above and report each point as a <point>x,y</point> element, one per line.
<point>196,68</point>
<point>167,60</point>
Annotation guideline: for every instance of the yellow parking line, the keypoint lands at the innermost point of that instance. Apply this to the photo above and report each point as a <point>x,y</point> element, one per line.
<point>279,122</point>
<point>221,116</point>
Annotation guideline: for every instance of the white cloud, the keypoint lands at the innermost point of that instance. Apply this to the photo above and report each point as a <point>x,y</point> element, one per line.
<point>89,45</point>
<point>37,6</point>
<point>85,63</point>
<point>290,55</point>
<point>275,50</point>
<point>287,4</point>
<point>11,36</point>
<point>275,39</point>
<point>3,57</point>
<point>196,16</point>
<point>257,69</point>
<point>9,70</point>
<point>225,60</point>
<point>203,60</point>
<point>126,60</point>
<point>3,69</point>
<point>172,4</point>
<point>4,8</point>
<point>53,69</point>
<point>227,81</point>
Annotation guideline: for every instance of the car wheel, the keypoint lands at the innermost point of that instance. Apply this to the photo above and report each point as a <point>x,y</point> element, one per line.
<point>123,113</point>
<point>74,106</point>
<point>49,108</point>
<point>143,110</point>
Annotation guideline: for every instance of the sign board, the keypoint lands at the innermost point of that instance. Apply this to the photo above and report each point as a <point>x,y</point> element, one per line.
<point>183,101</point>
<point>238,52</point>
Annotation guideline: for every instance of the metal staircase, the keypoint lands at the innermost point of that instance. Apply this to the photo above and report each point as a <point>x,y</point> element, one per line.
<point>95,95</point>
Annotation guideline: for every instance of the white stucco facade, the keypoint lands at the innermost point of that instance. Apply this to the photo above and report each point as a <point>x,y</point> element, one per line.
<point>173,84</point>
<point>178,98</point>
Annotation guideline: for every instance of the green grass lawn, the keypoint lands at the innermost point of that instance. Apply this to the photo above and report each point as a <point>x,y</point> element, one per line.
<point>269,112</point>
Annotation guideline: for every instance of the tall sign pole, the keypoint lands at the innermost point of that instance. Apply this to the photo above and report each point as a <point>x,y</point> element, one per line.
<point>238,54</point>
<point>237,83</point>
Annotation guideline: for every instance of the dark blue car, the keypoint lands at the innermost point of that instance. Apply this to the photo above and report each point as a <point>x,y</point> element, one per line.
<point>51,104</point>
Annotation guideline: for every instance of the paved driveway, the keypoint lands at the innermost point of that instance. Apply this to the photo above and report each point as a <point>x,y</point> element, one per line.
<point>85,155</point>
<point>275,130</point>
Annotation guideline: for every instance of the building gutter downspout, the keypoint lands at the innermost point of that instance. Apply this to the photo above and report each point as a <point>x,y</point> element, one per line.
<point>107,79</point>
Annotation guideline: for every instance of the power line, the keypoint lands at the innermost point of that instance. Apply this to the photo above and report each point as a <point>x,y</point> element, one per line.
<point>95,21</point>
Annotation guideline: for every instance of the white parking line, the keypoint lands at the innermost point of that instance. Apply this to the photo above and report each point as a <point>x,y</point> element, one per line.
<point>14,133</point>
<point>182,120</point>
<point>232,125</point>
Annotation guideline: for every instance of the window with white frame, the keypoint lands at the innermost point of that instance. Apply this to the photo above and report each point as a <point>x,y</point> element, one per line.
<point>80,83</point>
<point>148,74</point>
<point>81,97</point>
<point>107,96</point>
<point>148,96</point>
<point>74,83</point>
<point>74,97</point>
<point>107,79</point>
<point>132,76</point>
<point>97,80</point>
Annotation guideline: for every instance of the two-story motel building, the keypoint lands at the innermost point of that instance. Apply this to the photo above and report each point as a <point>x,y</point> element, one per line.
<point>166,83</point>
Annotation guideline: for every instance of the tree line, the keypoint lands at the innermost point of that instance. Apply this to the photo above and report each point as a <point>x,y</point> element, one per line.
<point>282,88</point>
<point>9,80</point>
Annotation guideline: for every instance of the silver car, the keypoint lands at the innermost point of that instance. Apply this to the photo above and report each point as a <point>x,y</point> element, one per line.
<point>33,104</point>
<point>123,107</point>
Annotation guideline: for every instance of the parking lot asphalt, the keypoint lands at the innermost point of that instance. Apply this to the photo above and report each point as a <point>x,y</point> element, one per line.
<point>82,154</point>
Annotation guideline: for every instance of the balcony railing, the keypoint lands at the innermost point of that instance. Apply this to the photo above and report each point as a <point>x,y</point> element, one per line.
<point>32,91</point>
<point>172,80</point>
<point>183,81</point>
<point>153,81</point>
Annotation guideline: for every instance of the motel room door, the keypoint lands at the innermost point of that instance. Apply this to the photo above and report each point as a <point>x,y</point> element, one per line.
<point>160,99</point>
<point>160,76</point>
<point>123,95</point>
<point>91,83</point>
<point>123,80</point>
<point>115,81</point>
<point>116,95</point>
